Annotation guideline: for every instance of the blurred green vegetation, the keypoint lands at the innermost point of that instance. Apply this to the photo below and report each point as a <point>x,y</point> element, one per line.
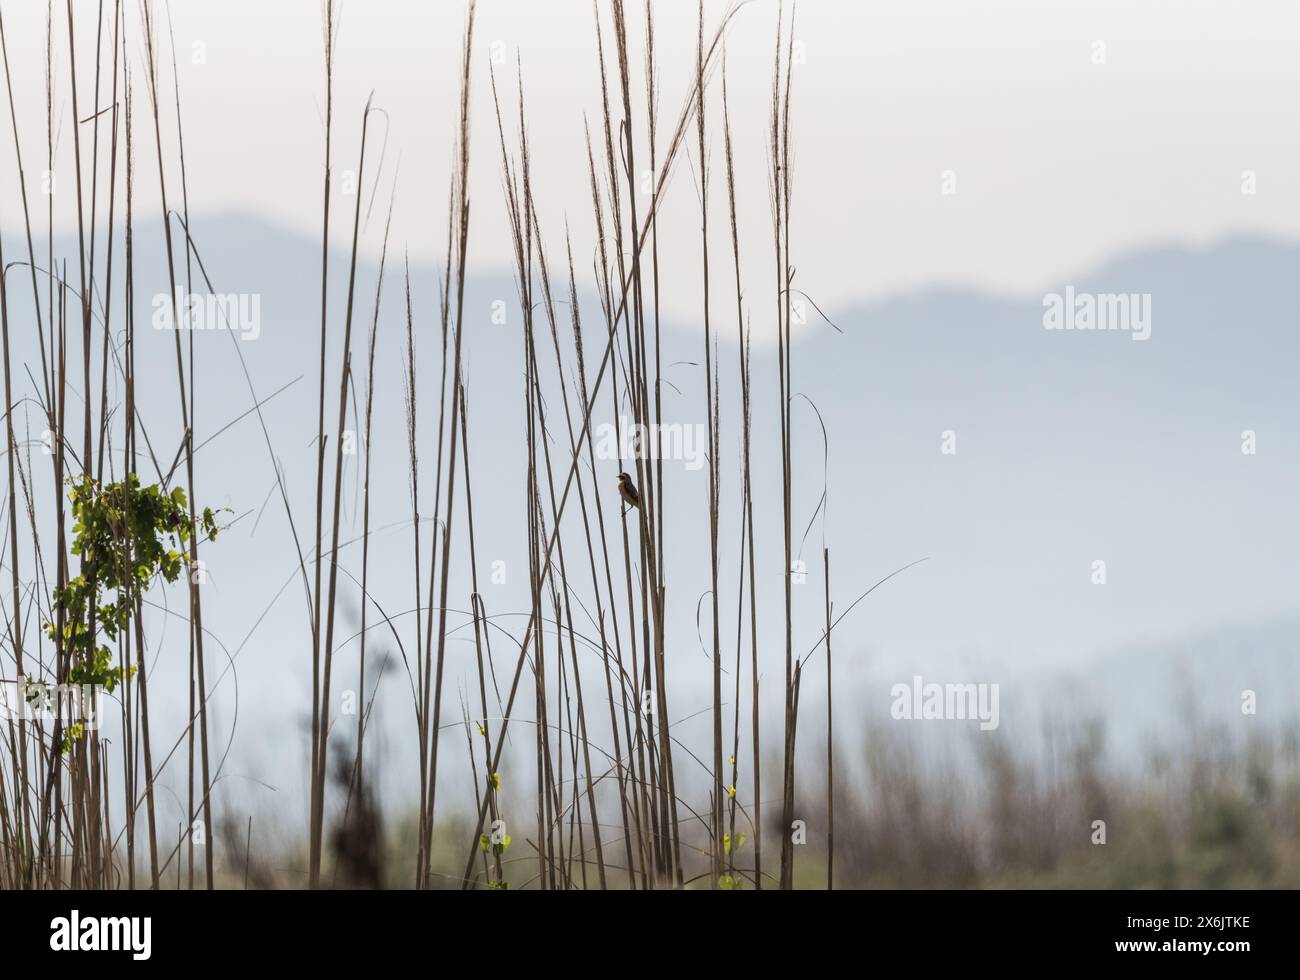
<point>1212,810</point>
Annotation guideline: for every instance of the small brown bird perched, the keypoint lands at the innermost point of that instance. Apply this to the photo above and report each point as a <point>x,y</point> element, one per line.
<point>627,490</point>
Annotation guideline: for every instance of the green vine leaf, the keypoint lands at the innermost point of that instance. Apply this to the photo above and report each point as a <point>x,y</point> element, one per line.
<point>126,536</point>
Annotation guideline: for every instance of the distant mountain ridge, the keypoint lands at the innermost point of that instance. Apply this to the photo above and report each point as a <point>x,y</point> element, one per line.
<point>1072,447</point>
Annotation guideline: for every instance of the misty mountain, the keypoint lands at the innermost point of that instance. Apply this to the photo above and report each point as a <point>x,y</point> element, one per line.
<point>958,429</point>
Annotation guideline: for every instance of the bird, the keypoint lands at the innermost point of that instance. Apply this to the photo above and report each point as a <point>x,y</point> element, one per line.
<point>628,491</point>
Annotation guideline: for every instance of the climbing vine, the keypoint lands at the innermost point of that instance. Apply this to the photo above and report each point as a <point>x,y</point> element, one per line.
<point>126,537</point>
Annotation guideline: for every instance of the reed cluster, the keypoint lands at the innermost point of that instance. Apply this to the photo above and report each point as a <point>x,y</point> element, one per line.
<point>615,796</point>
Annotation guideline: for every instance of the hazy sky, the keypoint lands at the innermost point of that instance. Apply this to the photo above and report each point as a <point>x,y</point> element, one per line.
<point>1072,130</point>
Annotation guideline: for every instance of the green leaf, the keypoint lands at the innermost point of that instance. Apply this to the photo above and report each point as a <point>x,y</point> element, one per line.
<point>120,533</point>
